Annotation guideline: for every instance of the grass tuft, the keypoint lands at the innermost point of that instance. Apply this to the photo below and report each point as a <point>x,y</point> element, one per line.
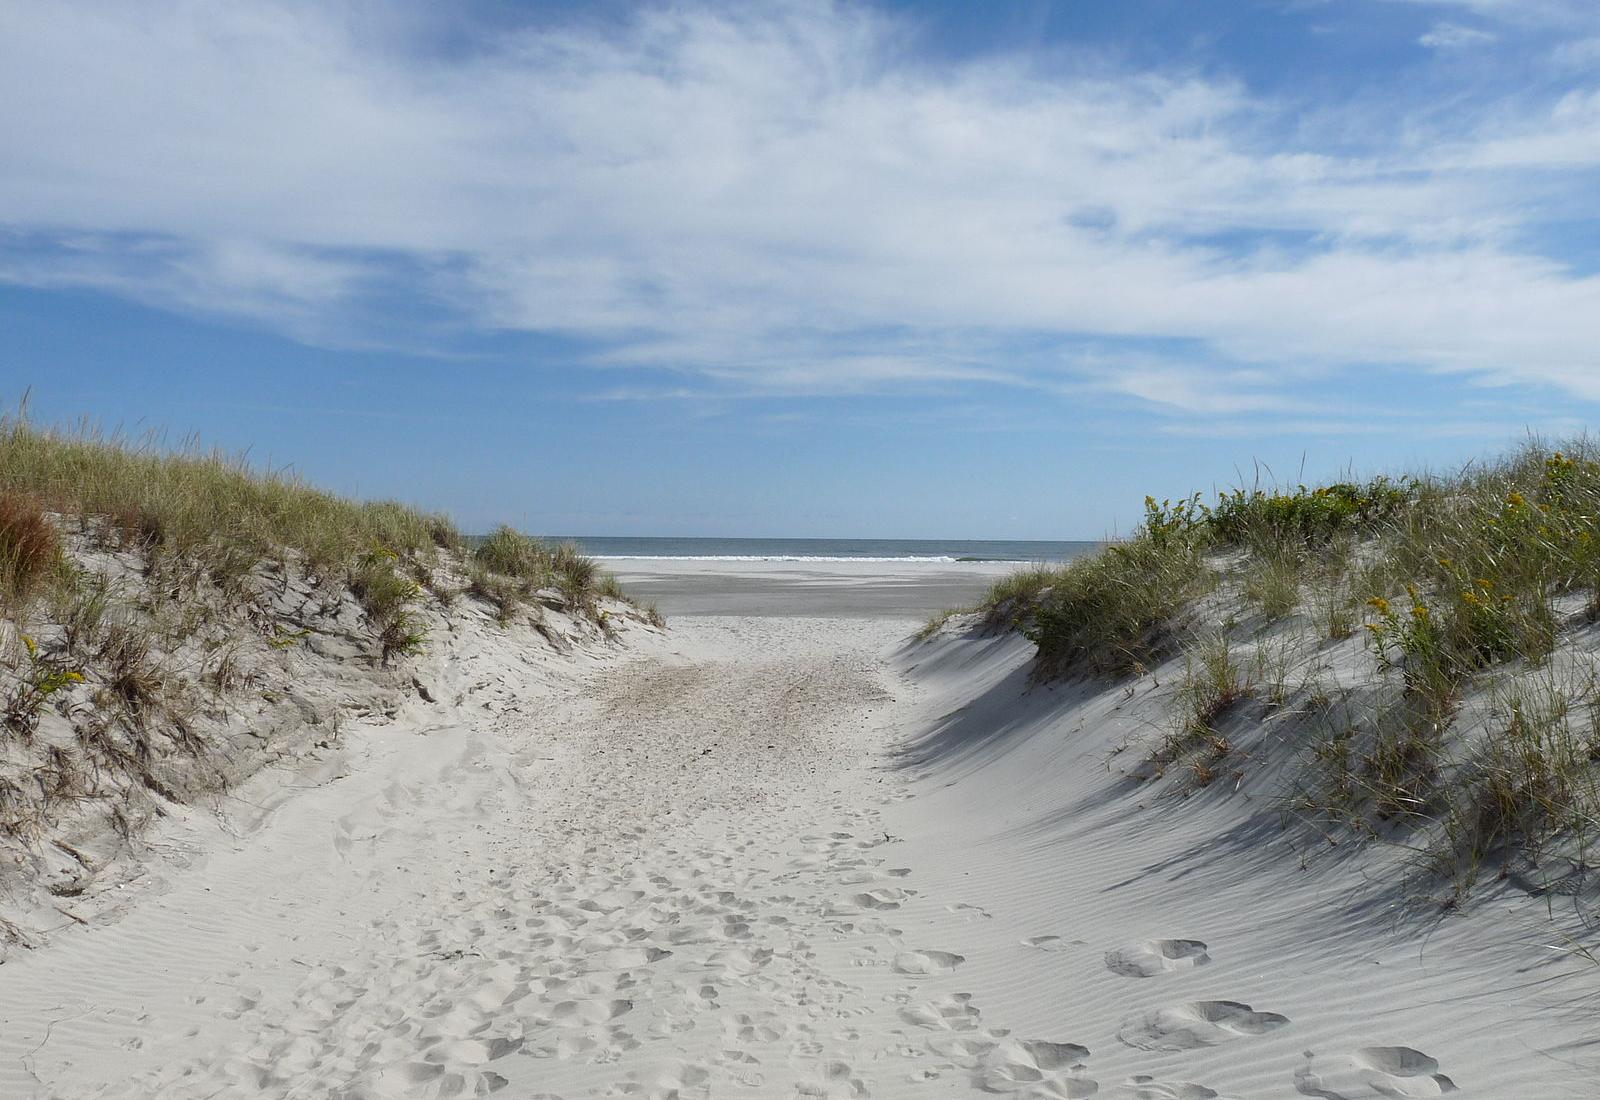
<point>30,550</point>
<point>1120,610</point>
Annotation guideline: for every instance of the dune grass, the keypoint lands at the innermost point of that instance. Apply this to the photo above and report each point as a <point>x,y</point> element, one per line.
<point>1466,587</point>
<point>161,608</point>
<point>209,516</point>
<point>208,506</point>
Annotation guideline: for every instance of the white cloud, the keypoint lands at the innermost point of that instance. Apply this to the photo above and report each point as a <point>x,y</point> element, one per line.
<point>772,198</point>
<point>1454,36</point>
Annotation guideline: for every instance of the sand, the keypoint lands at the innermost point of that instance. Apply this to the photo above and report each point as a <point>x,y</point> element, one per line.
<point>777,856</point>
<point>872,589</point>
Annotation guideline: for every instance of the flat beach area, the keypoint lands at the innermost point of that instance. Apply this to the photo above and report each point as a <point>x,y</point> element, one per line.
<point>851,588</point>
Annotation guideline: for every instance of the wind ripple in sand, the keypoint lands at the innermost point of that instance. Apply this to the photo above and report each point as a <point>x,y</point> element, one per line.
<point>1196,1024</point>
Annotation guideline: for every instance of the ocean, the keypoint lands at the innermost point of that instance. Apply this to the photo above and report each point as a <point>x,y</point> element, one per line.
<point>932,550</point>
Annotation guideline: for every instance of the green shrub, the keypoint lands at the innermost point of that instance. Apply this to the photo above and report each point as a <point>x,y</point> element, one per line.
<point>1118,611</point>
<point>1305,517</point>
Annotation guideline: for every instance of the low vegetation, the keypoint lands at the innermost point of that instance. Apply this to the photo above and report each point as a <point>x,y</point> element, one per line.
<point>1436,651</point>
<point>163,609</point>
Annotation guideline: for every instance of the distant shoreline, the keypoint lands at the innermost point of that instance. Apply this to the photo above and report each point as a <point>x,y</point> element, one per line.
<point>825,551</point>
<point>825,558</point>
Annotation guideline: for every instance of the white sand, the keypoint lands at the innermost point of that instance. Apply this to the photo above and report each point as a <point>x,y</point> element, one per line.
<point>772,857</point>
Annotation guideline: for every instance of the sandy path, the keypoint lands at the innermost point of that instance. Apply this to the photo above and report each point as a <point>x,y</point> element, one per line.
<point>767,857</point>
<point>669,883</point>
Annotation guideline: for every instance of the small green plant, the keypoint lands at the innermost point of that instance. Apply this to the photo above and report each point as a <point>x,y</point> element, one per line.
<point>1214,683</point>
<point>1273,583</point>
<point>39,680</point>
<point>388,597</point>
<point>934,624</point>
<point>288,639</point>
<point>504,594</point>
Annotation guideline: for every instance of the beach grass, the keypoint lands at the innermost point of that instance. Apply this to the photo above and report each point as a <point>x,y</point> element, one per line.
<point>168,613</point>
<point>1473,594</point>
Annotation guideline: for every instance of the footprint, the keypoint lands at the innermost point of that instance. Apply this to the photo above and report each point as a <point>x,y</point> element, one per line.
<point>624,958</point>
<point>587,1013</point>
<point>887,898</point>
<point>952,1013</point>
<point>1152,957</point>
<point>837,1081</point>
<point>1196,1024</point>
<point>1049,943</point>
<point>1016,1064</point>
<point>969,912</point>
<point>927,962</point>
<point>1145,1087</point>
<point>1376,1071</point>
<point>964,1051</point>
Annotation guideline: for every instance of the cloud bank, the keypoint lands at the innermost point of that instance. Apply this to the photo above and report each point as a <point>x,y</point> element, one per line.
<point>792,198</point>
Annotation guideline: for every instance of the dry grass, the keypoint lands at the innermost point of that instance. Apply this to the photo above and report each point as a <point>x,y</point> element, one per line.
<point>30,550</point>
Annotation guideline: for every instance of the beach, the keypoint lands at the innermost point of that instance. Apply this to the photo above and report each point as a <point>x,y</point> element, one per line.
<point>790,853</point>
<point>836,587</point>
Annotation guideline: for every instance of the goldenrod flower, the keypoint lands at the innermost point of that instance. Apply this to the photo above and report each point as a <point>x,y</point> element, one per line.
<point>1379,604</point>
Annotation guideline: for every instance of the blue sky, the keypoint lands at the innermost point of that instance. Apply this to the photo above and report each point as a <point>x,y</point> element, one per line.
<point>905,269</point>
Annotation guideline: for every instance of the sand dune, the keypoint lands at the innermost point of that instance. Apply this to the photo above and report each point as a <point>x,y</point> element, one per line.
<point>781,857</point>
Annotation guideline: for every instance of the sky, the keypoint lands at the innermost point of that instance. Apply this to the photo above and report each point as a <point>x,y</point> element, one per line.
<point>909,269</point>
